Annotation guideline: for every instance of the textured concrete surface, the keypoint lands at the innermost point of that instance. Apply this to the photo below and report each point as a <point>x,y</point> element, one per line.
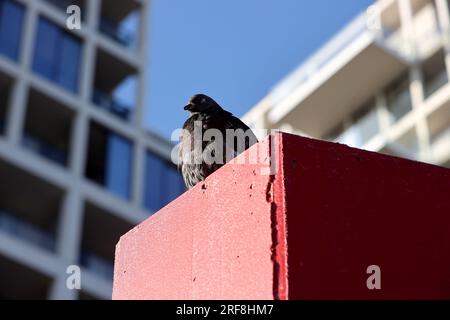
<point>213,242</point>
<point>348,209</point>
<point>308,232</point>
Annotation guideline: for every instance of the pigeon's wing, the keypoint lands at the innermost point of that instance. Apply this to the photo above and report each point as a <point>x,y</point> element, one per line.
<point>243,133</point>
<point>191,162</point>
<point>237,136</point>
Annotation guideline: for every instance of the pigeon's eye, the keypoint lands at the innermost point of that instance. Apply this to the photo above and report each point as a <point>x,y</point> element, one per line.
<point>203,100</point>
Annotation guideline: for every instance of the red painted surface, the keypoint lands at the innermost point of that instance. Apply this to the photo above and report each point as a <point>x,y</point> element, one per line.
<point>310,231</point>
<point>213,242</point>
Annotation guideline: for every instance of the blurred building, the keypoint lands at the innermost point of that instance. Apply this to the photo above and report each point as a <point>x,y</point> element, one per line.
<point>77,167</point>
<point>381,84</point>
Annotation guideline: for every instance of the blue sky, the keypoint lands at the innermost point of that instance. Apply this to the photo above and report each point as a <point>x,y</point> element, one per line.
<point>233,50</point>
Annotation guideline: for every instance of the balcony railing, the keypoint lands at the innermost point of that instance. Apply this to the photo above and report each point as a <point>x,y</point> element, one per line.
<point>399,105</point>
<point>112,105</point>
<point>96,264</point>
<point>361,131</point>
<point>440,145</point>
<point>19,228</point>
<point>117,33</point>
<point>44,149</point>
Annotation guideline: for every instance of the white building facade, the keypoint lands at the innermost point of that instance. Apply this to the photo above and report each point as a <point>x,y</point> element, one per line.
<point>381,84</point>
<point>77,167</point>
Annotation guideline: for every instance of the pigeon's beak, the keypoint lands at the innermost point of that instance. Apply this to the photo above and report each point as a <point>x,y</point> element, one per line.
<point>188,107</point>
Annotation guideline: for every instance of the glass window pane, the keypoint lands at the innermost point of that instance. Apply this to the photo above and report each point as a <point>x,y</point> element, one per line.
<point>11,18</point>
<point>118,165</point>
<point>154,182</point>
<point>399,99</point>
<point>163,182</point>
<point>46,49</point>
<point>175,184</point>
<point>69,63</point>
<point>57,55</point>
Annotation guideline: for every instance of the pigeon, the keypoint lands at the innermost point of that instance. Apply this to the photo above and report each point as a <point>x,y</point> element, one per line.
<point>201,155</point>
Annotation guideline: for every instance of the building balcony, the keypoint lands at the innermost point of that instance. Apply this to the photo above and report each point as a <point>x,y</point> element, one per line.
<point>97,253</point>
<point>425,27</point>
<point>361,131</point>
<point>48,127</point>
<point>120,21</point>
<point>436,83</point>
<point>29,207</point>
<point>351,68</point>
<point>96,264</point>
<point>115,86</point>
<point>434,73</point>
<point>18,228</point>
<point>333,83</point>
<point>438,122</point>
<point>111,104</point>
<point>44,149</point>
<point>440,148</point>
<point>109,160</point>
<point>22,282</point>
<point>124,37</point>
<point>398,99</point>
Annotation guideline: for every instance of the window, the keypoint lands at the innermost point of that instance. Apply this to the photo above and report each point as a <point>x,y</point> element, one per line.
<point>29,207</point>
<point>57,55</point>
<point>115,86</point>
<point>11,18</point>
<point>399,99</point>
<point>22,281</point>
<point>52,140</point>
<point>434,73</point>
<point>163,182</point>
<point>120,21</point>
<point>118,165</point>
<point>64,4</point>
<point>98,256</point>
<point>5,91</point>
<point>109,160</point>
<point>362,125</point>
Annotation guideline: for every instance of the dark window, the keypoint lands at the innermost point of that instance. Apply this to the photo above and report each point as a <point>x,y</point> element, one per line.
<point>11,18</point>
<point>398,98</point>
<point>57,55</point>
<point>5,90</point>
<point>51,140</point>
<point>434,73</point>
<point>96,255</point>
<point>163,182</point>
<point>118,165</point>
<point>109,160</point>
<point>64,4</point>
<point>120,20</point>
<point>115,86</point>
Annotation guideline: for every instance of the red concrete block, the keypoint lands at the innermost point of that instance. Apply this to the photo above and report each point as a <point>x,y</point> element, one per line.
<point>309,231</point>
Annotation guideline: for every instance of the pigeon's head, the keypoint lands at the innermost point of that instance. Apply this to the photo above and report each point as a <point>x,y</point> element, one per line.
<point>201,103</point>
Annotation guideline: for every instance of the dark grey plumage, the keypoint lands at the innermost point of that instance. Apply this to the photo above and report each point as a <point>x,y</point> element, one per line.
<point>202,108</point>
